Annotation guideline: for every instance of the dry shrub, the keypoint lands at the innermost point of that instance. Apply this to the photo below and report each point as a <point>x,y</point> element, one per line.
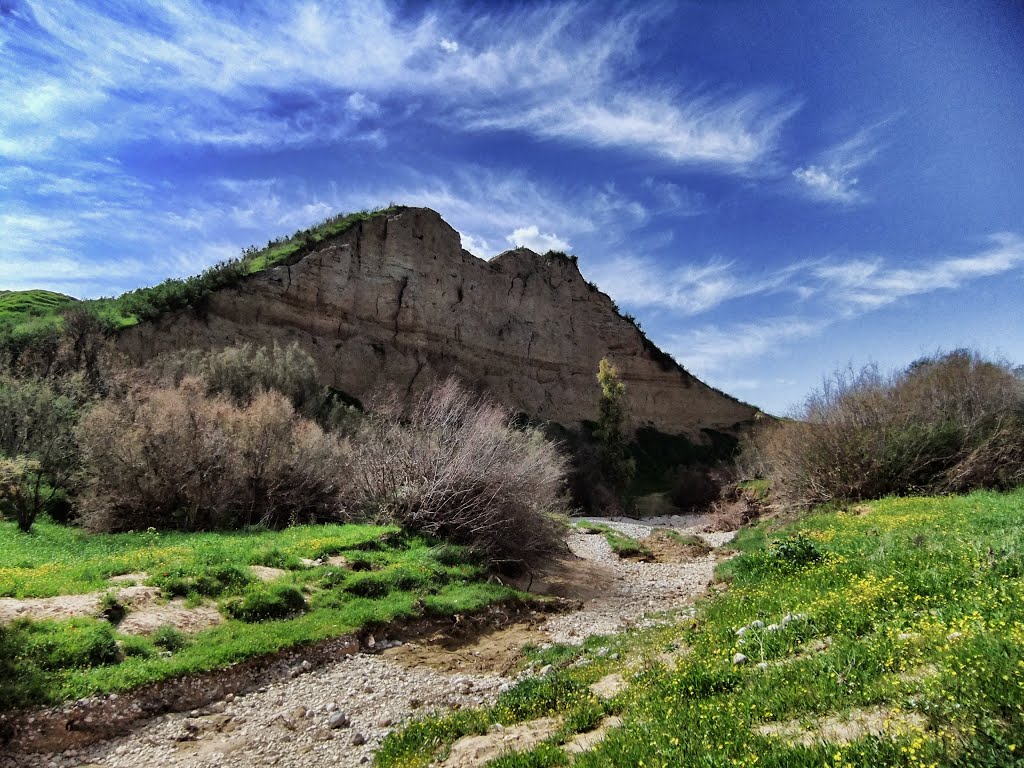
<point>176,457</point>
<point>949,422</point>
<point>242,372</point>
<point>453,466</point>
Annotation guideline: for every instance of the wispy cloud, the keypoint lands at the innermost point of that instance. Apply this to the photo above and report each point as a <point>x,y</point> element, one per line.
<point>832,287</point>
<point>688,290</point>
<point>861,285</point>
<point>186,72</point>
<point>832,178</point>
<point>712,348</point>
<point>89,278</point>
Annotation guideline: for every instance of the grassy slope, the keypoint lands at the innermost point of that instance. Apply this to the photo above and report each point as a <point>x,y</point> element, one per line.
<point>391,576</point>
<point>915,605</point>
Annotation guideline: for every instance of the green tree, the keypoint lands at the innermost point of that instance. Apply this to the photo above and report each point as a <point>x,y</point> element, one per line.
<point>617,465</point>
<point>37,445</point>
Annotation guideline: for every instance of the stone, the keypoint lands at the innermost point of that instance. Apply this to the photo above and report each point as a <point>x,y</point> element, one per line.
<point>739,658</point>
<point>396,303</point>
<point>358,739</point>
<point>338,720</point>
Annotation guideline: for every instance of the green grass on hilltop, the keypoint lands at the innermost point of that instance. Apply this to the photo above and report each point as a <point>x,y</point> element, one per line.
<point>387,575</point>
<point>27,314</point>
<point>908,609</point>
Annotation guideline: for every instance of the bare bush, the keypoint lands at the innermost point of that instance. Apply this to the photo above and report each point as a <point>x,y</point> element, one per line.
<point>453,466</point>
<point>949,422</point>
<point>176,457</point>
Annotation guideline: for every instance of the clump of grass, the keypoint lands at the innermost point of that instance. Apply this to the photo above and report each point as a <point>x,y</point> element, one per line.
<point>694,544</point>
<point>169,638</point>
<point>201,579</point>
<point>263,602</point>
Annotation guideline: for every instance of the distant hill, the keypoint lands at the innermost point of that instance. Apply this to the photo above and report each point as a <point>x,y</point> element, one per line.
<point>19,306</point>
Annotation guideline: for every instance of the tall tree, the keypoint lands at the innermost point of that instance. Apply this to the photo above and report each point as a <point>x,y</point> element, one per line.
<point>617,465</point>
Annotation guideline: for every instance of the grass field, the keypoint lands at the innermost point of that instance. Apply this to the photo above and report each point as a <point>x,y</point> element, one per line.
<point>888,634</point>
<point>385,575</point>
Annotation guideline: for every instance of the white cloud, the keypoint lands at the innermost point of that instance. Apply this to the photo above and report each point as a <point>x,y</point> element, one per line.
<point>710,349</point>
<point>92,278</point>
<point>675,199</point>
<point>360,105</point>
<point>541,242</point>
<point>832,178</point>
<point>478,246</point>
<point>448,46</point>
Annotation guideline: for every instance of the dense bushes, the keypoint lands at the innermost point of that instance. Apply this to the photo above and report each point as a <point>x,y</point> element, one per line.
<point>453,466</point>
<point>948,423</point>
<point>161,456</point>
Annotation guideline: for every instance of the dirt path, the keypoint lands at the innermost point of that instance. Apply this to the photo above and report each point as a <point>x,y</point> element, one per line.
<point>337,714</point>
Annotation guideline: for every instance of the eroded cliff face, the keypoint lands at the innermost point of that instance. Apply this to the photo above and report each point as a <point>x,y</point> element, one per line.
<point>396,302</point>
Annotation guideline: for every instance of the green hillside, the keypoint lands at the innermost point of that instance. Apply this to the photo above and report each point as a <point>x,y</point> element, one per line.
<point>24,306</point>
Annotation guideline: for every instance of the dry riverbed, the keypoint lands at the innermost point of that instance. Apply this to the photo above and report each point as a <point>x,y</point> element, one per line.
<point>337,713</point>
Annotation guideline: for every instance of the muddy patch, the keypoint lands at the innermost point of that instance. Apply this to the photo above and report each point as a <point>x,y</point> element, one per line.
<point>70,606</point>
<point>265,573</point>
<point>572,578</point>
<point>495,651</point>
<point>584,742</point>
<point>176,613</point>
<point>472,751</point>
<point>847,727</point>
<point>670,547</point>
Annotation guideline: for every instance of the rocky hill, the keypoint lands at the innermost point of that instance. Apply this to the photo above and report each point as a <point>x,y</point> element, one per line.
<point>396,302</point>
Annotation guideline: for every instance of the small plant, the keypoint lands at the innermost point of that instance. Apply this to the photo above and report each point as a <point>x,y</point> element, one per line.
<point>111,608</point>
<point>797,551</point>
<point>169,638</point>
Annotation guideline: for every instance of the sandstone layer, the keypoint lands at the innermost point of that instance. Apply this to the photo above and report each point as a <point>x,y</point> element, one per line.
<point>396,303</point>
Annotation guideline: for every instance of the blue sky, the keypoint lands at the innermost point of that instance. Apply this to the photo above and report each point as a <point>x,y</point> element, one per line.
<point>774,189</point>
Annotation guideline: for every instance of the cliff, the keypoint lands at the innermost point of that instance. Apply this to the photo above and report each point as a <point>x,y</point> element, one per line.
<point>397,302</point>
